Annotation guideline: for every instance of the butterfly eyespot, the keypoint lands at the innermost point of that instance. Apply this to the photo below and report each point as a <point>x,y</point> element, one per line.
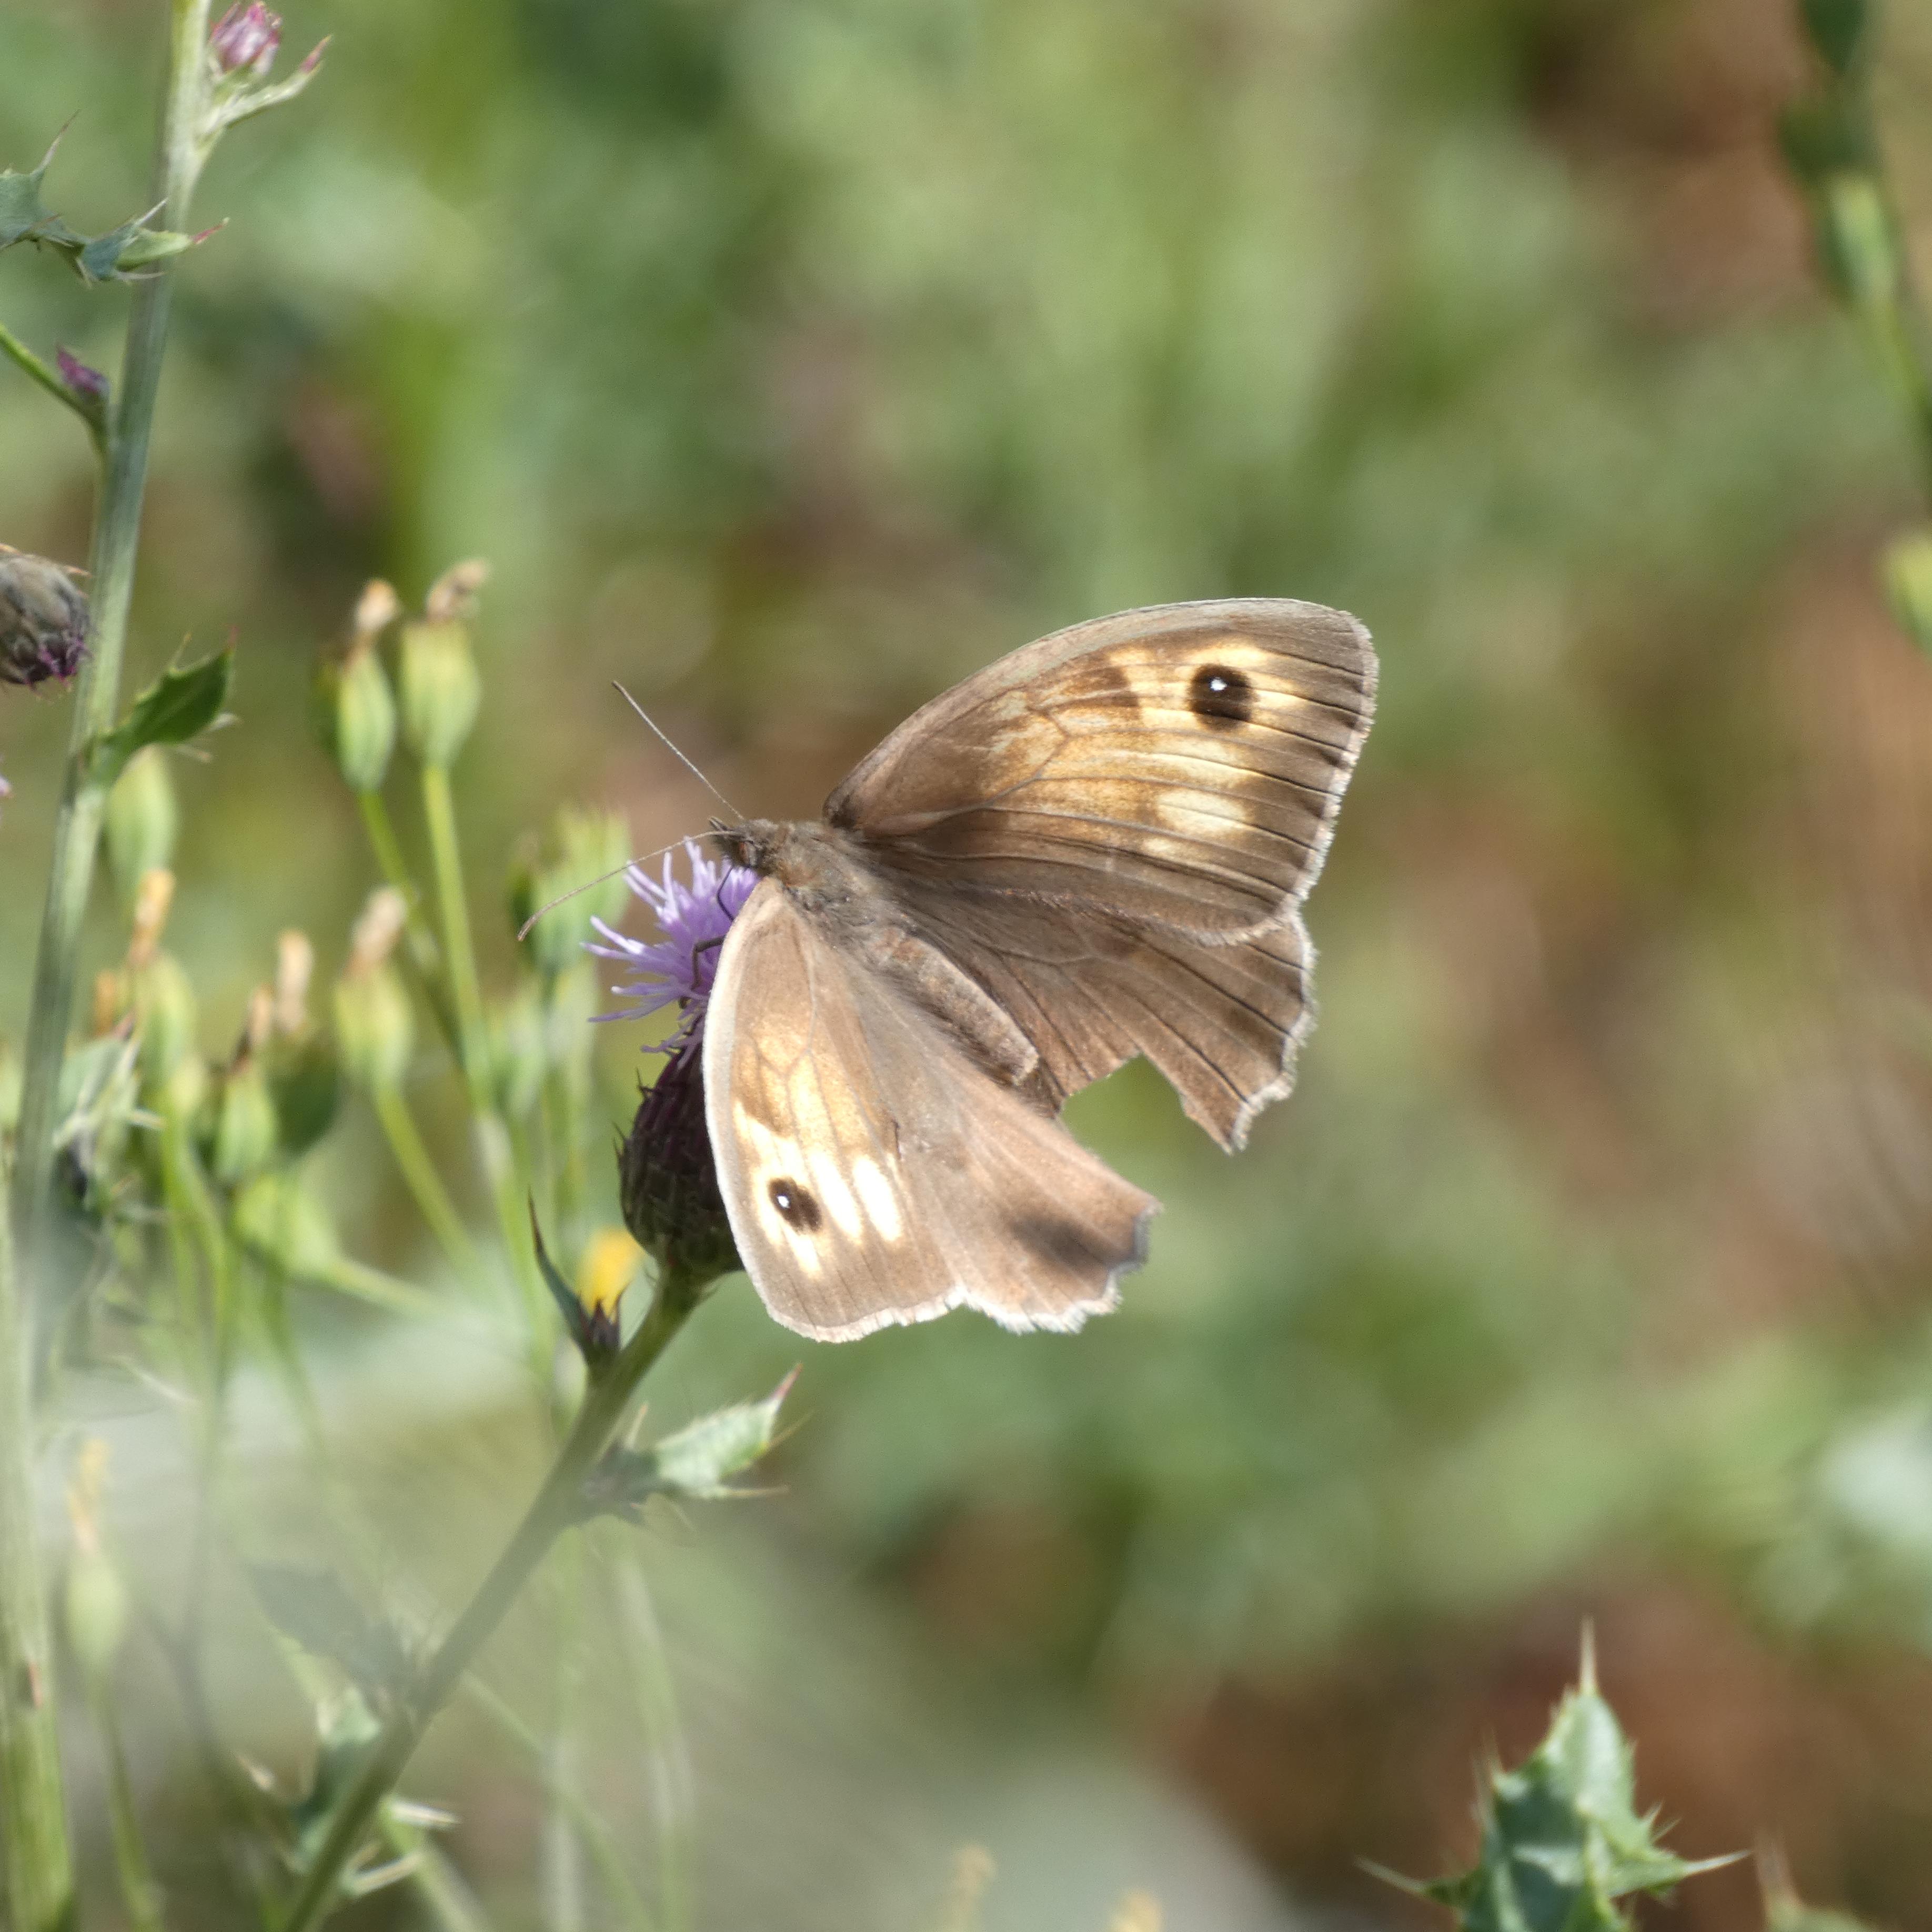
<point>796,1206</point>
<point>1221,696</point>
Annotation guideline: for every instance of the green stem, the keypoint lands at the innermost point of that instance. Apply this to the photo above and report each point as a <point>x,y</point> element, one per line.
<point>117,535</point>
<point>36,1866</point>
<point>24,358</point>
<point>508,1190</point>
<point>558,1504</point>
<point>624,1895</point>
<point>446,860</point>
<point>138,1891</point>
<point>424,1183</point>
<point>33,1842</point>
<point>425,962</point>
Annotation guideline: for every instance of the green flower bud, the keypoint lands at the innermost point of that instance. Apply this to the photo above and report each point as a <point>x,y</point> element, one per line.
<point>96,1602</point>
<point>164,1011</point>
<point>519,1054</point>
<point>375,1024</point>
<point>583,847</point>
<point>244,1129</point>
<point>97,1611</point>
<point>141,821</point>
<point>355,717</point>
<point>303,1071</point>
<point>441,689</point>
<point>280,1223</point>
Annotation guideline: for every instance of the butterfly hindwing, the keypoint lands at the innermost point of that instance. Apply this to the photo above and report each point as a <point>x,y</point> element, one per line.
<point>873,1171</point>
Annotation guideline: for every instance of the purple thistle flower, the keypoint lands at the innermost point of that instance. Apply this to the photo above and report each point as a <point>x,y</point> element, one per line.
<point>681,968</point>
<point>245,39</point>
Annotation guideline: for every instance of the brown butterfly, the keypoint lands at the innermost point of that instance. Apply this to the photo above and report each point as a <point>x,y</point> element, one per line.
<point>1097,847</point>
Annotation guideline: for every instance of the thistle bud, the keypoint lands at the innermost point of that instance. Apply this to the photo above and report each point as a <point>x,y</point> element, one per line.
<point>142,820</point>
<point>89,384</point>
<point>582,848</point>
<point>668,1179</point>
<point>43,620</point>
<point>245,40</point>
<point>440,688</point>
<point>354,709</point>
<point>373,1020</point>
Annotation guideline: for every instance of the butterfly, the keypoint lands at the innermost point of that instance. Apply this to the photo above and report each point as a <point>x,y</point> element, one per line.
<point>1097,847</point>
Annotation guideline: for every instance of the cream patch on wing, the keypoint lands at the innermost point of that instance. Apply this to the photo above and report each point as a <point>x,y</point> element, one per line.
<point>879,1197</point>
<point>783,1194</point>
<point>1198,814</point>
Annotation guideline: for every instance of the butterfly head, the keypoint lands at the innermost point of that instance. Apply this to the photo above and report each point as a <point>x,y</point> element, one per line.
<point>764,845</point>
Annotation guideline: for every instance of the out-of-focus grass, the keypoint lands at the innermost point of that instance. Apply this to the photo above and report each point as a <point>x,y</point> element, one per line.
<point>791,360</point>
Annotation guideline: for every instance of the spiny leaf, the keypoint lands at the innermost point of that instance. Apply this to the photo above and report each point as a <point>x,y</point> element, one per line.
<point>114,256</point>
<point>181,704</point>
<point>1562,1839</point>
<point>697,1463</point>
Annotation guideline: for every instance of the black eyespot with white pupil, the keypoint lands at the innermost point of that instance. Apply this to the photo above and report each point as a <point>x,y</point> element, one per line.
<point>796,1207</point>
<point>1221,696</point>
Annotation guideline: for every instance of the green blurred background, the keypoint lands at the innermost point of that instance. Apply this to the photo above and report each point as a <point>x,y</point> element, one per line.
<point>789,359</point>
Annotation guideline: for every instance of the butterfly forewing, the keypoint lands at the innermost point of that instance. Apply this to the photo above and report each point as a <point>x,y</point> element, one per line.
<point>1181,766</point>
<point>873,1171</point>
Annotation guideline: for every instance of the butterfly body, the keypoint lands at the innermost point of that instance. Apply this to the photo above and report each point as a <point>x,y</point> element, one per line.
<point>1095,848</point>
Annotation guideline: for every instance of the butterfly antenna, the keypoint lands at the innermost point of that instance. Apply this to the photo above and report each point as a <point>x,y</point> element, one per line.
<point>736,814</point>
<point>522,930</point>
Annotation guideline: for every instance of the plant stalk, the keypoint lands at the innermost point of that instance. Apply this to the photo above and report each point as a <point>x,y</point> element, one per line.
<point>36,1864</point>
<point>557,1506</point>
<point>117,536</point>
<point>35,1850</point>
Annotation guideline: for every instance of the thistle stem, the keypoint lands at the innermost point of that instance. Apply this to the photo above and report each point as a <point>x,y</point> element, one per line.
<point>34,1849</point>
<point>558,1504</point>
<point>117,534</point>
<point>36,1868</point>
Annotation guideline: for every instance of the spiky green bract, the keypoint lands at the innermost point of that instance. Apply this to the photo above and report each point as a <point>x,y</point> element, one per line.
<point>697,1464</point>
<point>1563,1841</point>
<point>115,257</point>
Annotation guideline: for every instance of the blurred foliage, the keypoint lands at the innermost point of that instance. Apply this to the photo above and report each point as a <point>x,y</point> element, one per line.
<point>788,360</point>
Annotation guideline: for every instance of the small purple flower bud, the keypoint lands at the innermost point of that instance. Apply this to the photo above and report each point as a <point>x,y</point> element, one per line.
<point>79,378</point>
<point>42,620</point>
<point>245,39</point>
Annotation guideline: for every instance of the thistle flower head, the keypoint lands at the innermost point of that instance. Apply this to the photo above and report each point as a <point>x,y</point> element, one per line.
<point>43,621</point>
<point>668,1174</point>
<point>681,968</point>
